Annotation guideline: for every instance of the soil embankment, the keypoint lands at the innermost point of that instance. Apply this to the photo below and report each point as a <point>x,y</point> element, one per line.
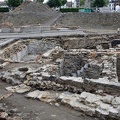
<point>90,20</point>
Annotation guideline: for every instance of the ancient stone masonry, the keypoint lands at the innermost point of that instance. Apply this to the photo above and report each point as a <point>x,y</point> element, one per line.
<point>85,79</point>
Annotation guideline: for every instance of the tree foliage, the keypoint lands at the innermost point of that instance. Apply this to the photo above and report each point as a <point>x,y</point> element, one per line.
<point>40,0</point>
<point>106,2</point>
<point>63,2</point>
<point>82,2</point>
<point>98,3</point>
<point>56,3</point>
<point>14,3</point>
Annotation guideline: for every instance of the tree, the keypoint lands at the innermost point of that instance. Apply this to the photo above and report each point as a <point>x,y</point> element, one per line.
<point>98,3</point>
<point>40,0</point>
<point>56,3</point>
<point>82,2</point>
<point>106,2</point>
<point>63,2</point>
<point>14,3</point>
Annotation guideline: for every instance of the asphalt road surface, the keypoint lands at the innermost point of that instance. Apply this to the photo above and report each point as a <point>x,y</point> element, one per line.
<point>53,33</point>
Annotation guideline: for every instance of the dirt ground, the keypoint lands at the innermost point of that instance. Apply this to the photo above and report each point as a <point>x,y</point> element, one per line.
<point>14,65</point>
<point>28,109</point>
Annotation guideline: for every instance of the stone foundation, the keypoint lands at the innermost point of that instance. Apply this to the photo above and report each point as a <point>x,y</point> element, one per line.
<point>89,76</point>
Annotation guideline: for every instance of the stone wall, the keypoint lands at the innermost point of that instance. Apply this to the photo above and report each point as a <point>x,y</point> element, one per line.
<point>90,20</point>
<point>41,45</point>
<point>88,41</point>
<point>14,52</point>
<point>35,46</point>
<point>21,48</point>
<point>73,84</point>
<point>118,68</point>
<point>72,63</point>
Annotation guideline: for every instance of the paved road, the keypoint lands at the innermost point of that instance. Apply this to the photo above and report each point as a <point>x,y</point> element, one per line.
<point>43,34</point>
<point>7,38</point>
<point>55,33</point>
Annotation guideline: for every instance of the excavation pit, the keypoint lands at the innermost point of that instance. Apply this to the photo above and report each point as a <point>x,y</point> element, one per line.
<point>63,64</point>
<point>69,55</point>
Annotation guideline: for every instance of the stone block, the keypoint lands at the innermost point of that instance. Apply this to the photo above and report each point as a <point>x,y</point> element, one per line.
<point>116,102</point>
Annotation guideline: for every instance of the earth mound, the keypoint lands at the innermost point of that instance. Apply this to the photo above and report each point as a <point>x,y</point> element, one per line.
<point>31,13</point>
<point>29,7</point>
<point>92,20</point>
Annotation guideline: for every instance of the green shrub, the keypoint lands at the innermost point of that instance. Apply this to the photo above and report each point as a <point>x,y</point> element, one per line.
<point>76,10</point>
<point>4,9</point>
<point>69,9</point>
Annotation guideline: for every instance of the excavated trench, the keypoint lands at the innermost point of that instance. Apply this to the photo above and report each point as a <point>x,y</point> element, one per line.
<point>76,64</point>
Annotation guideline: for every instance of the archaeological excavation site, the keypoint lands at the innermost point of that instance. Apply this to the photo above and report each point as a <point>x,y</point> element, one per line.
<point>55,77</point>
